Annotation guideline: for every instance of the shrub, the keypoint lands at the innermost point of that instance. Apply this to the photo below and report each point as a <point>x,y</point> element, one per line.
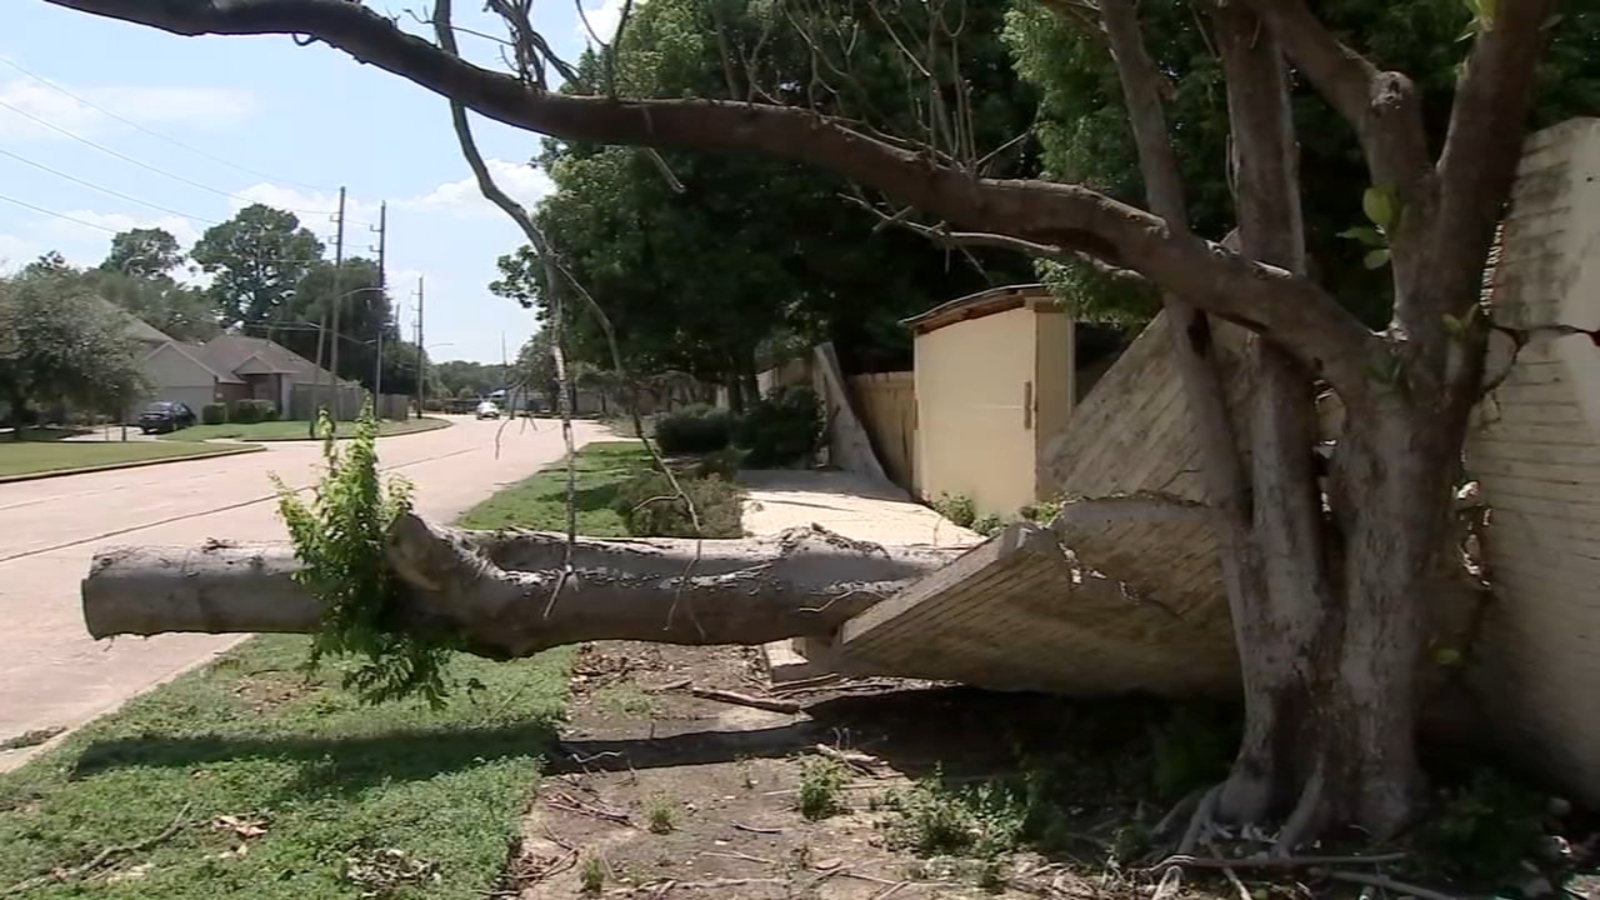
<point>822,785</point>
<point>781,429</point>
<point>651,508</point>
<point>214,414</point>
<point>249,412</point>
<point>694,429</point>
<point>958,508</point>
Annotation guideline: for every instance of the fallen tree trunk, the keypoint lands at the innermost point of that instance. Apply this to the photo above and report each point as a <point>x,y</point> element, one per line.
<point>495,592</point>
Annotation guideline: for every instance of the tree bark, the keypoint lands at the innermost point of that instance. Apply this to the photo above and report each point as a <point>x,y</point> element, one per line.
<point>492,591</point>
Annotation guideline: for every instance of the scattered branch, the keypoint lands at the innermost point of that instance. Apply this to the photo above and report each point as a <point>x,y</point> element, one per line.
<point>101,858</point>
<point>1389,884</point>
<point>767,703</point>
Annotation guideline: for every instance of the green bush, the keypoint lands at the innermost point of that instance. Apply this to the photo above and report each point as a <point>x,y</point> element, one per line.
<point>249,412</point>
<point>214,413</point>
<point>694,429</point>
<point>958,508</point>
<point>651,508</point>
<point>781,429</point>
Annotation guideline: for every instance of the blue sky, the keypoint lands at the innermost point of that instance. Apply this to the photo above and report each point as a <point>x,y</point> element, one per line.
<point>295,122</point>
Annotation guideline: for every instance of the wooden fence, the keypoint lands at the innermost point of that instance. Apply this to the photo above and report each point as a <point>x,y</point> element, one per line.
<point>887,405</point>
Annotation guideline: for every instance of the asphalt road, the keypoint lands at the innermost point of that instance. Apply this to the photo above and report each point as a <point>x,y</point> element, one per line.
<point>52,674</point>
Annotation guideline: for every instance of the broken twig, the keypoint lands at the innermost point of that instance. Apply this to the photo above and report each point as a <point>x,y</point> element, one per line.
<point>767,703</point>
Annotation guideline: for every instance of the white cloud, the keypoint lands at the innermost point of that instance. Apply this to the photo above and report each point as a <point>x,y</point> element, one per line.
<point>149,106</point>
<point>526,184</point>
<point>603,18</point>
<point>73,233</point>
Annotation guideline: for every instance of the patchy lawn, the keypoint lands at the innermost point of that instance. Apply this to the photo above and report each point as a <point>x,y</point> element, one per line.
<point>24,458</point>
<point>249,777</point>
<point>295,430</point>
<point>541,501</point>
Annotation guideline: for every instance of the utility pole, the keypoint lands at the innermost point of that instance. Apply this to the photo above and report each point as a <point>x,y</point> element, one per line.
<point>383,322</point>
<point>324,332</point>
<point>338,300</point>
<point>422,355</point>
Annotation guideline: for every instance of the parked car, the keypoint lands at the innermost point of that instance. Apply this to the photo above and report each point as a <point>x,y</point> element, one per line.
<point>166,415</point>
<point>487,410</point>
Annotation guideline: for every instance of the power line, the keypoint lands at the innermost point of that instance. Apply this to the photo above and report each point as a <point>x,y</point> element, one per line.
<point>51,212</point>
<point>171,140</point>
<point>105,190</point>
<point>143,165</point>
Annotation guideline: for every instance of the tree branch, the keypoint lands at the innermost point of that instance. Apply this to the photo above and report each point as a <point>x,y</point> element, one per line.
<point>1292,311</point>
<point>1383,107</point>
<point>1484,142</point>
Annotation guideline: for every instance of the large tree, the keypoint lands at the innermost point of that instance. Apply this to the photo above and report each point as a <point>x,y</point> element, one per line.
<point>143,253</point>
<point>364,318</point>
<point>704,263</point>
<point>137,276</point>
<point>1328,591</point>
<point>257,260</point>
<point>61,343</point>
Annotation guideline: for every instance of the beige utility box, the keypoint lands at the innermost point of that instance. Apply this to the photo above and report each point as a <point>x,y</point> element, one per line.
<point>994,383</point>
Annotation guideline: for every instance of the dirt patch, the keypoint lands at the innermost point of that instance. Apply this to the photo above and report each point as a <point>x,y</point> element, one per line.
<point>266,691</point>
<point>658,792</point>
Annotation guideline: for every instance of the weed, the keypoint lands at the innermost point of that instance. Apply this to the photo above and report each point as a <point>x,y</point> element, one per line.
<point>1484,828</point>
<point>662,816</point>
<point>989,525</point>
<point>985,821</point>
<point>822,783</point>
<point>958,508</point>
<point>594,876</point>
<point>627,700</point>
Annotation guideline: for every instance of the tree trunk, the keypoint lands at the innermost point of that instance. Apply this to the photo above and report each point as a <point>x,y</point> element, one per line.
<point>493,590</point>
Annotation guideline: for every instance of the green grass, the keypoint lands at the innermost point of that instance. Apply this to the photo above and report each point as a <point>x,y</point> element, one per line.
<point>294,430</point>
<point>540,501</point>
<point>342,789</point>
<point>19,458</point>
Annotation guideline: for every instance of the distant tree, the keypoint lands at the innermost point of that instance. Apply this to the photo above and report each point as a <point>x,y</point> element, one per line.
<point>536,368</point>
<point>59,342</point>
<point>459,377</point>
<point>181,311</point>
<point>51,263</point>
<point>364,313</point>
<point>143,253</point>
<point>258,259</point>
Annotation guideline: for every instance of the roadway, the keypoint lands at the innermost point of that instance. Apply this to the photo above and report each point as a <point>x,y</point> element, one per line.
<point>52,674</point>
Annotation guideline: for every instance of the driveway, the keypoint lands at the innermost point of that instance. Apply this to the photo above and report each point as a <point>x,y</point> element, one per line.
<point>53,675</point>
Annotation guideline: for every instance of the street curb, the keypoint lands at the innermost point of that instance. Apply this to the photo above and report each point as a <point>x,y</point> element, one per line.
<point>112,467</point>
<point>305,440</point>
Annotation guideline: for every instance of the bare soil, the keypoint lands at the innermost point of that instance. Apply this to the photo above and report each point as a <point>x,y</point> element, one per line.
<point>665,793</point>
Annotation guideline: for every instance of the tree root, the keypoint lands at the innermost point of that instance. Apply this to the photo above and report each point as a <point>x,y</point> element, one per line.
<point>1274,862</point>
<point>1200,824</point>
<point>1306,818</point>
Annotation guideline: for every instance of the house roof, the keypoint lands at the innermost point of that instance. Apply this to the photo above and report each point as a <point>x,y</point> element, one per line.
<point>187,351</point>
<point>983,303</point>
<point>137,328</point>
<point>259,356</point>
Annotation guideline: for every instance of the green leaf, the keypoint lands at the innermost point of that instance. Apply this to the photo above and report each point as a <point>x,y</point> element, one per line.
<point>1376,259</point>
<point>1367,235</point>
<point>1454,325</point>
<point>1448,657</point>
<point>1381,205</point>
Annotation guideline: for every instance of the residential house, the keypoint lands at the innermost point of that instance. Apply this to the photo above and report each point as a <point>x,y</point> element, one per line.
<point>225,369</point>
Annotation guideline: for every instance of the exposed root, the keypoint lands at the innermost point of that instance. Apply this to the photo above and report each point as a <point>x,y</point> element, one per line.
<point>1183,810</point>
<point>1309,813</point>
<point>1200,824</point>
